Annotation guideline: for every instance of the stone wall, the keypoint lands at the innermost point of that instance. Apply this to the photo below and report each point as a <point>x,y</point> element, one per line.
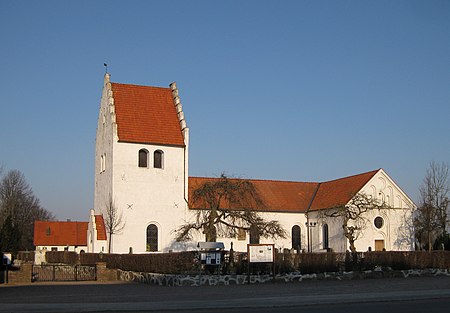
<point>22,275</point>
<point>105,274</point>
<point>214,280</point>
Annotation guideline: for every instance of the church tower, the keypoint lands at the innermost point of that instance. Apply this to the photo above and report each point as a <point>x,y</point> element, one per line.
<point>141,165</point>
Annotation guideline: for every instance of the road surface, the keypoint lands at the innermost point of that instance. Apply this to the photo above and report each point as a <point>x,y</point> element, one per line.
<point>398,295</point>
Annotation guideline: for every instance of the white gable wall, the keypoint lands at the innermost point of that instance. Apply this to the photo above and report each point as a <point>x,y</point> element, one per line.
<point>396,232</point>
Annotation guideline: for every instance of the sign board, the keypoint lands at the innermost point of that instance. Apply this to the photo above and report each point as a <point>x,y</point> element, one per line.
<point>6,259</point>
<point>261,253</point>
<point>210,258</point>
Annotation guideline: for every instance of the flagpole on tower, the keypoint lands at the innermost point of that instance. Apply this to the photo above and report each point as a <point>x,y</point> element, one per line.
<point>106,68</point>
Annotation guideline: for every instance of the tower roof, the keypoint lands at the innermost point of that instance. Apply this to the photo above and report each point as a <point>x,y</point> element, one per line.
<point>146,114</point>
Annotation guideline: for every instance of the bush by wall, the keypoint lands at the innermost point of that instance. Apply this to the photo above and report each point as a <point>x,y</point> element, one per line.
<point>305,263</point>
<point>177,263</point>
<point>398,260</point>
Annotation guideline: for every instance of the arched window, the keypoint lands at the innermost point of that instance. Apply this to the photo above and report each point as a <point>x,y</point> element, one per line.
<point>152,237</point>
<point>158,159</point>
<point>325,236</point>
<point>296,239</point>
<point>143,158</point>
<point>254,234</point>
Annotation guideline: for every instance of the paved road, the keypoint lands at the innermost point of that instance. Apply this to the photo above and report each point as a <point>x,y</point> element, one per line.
<point>386,295</point>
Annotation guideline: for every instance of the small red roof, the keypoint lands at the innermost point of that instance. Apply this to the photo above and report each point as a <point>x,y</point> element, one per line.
<point>101,230</point>
<point>286,196</point>
<point>48,233</point>
<point>146,115</point>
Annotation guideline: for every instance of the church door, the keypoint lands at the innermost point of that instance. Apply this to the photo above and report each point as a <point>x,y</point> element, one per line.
<point>379,245</point>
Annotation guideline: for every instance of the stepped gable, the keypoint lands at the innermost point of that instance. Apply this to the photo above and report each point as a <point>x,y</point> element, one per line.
<point>47,233</point>
<point>146,115</point>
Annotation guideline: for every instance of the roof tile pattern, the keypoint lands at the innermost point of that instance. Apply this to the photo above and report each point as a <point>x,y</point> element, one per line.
<point>340,191</point>
<point>277,196</point>
<point>146,114</point>
<point>101,230</point>
<point>48,233</point>
<point>286,196</point>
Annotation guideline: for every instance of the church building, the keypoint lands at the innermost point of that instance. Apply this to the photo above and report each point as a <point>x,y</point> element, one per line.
<point>141,172</point>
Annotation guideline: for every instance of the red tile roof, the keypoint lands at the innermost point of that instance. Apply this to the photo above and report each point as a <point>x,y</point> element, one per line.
<point>340,191</point>
<point>146,115</point>
<point>286,196</point>
<point>101,230</point>
<point>60,233</point>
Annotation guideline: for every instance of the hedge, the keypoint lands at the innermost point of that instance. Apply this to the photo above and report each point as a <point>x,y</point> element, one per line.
<point>187,262</point>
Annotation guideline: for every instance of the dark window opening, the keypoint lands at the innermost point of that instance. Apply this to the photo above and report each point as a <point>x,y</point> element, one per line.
<point>325,236</point>
<point>379,222</point>
<point>143,158</point>
<point>152,238</point>
<point>158,159</point>
<point>296,239</point>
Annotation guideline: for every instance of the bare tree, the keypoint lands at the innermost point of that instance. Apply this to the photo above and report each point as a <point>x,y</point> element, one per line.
<point>353,216</point>
<point>225,206</point>
<point>114,222</point>
<point>19,208</point>
<point>431,218</point>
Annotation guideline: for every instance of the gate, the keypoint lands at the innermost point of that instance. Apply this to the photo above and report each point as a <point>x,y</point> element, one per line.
<point>64,273</point>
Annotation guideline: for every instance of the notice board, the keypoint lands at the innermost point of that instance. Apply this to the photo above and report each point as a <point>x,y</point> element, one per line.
<point>261,253</point>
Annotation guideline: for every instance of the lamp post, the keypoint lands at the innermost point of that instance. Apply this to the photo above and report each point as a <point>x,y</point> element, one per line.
<point>309,225</point>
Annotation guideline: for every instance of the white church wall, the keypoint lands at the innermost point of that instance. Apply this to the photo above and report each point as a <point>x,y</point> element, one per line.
<point>148,195</point>
<point>396,232</point>
<point>287,220</point>
<point>104,148</point>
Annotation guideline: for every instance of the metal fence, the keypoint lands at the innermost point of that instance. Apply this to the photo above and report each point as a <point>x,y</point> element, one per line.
<point>64,273</point>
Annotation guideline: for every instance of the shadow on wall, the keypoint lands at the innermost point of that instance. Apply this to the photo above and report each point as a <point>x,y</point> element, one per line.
<point>405,233</point>
<point>176,246</point>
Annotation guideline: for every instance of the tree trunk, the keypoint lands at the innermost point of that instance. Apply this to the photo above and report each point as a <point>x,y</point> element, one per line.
<point>211,233</point>
<point>109,243</point>
<point>352,245</point>
<point>429,241</point>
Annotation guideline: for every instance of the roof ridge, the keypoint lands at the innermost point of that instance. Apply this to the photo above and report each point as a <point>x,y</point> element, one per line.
<point>258,179</point>
<point>313,197</point>
<point>136,85</point>
<point>345,177</point>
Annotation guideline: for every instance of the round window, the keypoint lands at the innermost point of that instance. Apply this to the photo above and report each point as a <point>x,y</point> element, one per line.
<point>378,222</point>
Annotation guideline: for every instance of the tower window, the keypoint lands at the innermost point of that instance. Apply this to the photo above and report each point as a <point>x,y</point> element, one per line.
<point>158,159</point>
<point>143,158</point>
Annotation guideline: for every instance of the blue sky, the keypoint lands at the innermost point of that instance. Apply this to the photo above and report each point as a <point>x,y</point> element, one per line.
<point>285,90</point>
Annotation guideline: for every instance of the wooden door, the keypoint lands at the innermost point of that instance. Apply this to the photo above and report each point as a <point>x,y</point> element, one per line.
<point>379,245</point>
